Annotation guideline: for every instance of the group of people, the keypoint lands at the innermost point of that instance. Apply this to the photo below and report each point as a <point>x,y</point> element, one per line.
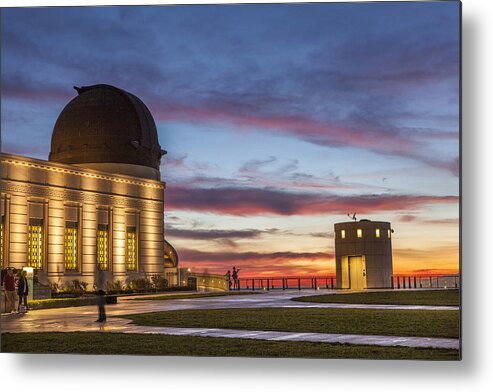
<point>233,279</point>
<point>9,288</point>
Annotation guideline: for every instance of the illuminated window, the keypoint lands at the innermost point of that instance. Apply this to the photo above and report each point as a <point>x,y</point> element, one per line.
<point>377,233</point>
<point>71,255</point>
<point>131,249</point>
<point>35,245</point>
<point>343,233</point>
<point>388,233</point>
<point>2,244</point>
<point>359,233</point>
<point>103,247</point>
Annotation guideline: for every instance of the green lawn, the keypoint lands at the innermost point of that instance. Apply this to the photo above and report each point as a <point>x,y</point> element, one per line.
<point>117,343</point>
<point>425,297</point>
<point>444,323</point>
<point>193,295</point>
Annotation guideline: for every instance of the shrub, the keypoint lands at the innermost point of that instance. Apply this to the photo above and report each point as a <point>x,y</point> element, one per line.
<point>67,302</point>
<point>159,282</point>
<point>77,287</point>
<point>115,287</point>
<point>141,285</point>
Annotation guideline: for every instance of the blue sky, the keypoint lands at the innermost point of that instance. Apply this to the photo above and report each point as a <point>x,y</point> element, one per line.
<point>278,119</point>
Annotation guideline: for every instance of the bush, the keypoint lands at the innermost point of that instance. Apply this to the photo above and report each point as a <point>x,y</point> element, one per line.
<point>141,285</point>
<point>68,302</point>
<point>159,282</point>
<point>115,287</point>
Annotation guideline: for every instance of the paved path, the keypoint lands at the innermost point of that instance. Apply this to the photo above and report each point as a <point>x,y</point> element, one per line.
<point>78,319</point>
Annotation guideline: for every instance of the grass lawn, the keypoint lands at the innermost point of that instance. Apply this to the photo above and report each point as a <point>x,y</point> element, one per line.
<point>118,343</point>
<point>425,297</point>
<point>193,295</point>
<point>444,323</point>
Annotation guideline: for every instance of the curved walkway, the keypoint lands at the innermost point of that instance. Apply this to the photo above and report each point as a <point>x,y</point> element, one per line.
<point>79,319</point>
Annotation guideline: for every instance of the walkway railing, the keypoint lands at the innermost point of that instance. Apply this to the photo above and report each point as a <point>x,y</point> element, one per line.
<point>330,282</point>
<point>425,282</point>
<point>286,282</point>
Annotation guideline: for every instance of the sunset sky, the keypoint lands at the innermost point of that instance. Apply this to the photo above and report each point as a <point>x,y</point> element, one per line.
<point>279,120</point>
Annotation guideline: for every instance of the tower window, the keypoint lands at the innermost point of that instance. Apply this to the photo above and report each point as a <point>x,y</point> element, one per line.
<point>377,233</point>
<point>359,233</point>
<point>343,233</point>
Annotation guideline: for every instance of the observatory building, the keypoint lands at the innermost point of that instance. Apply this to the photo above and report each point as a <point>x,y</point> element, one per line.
<point>97,202</point>
<point>363,253</point>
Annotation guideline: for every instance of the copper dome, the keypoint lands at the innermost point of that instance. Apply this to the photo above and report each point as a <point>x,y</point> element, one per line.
<point>105,124</point>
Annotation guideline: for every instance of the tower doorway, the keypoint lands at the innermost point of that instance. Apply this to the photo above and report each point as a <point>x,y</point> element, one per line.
<point>357,273</point>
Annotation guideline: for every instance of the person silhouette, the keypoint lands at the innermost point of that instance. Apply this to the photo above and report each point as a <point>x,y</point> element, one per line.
<point>235,278</point>
<point>100,286</point>
<point>228,276</point>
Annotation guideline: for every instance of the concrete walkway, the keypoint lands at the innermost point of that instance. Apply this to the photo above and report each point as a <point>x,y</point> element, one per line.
<point>78,319</point>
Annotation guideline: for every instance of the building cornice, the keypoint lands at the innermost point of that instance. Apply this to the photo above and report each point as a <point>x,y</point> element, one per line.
<point>78,171</point>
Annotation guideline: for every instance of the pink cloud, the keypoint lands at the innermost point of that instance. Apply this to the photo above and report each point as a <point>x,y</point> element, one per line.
<point>250,201</point>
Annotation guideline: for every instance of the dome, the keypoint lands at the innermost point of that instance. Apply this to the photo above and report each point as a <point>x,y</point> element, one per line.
<point>105,125</point>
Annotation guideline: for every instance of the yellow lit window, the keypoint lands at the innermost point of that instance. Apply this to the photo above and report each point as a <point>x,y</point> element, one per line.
<point>131,249</point>
<point>2,250</point>
<point>377,233</point>
<point>359,233</point>
<point>35,246</point>
<point>388,233</point>
<point>343,233</point>
<point>71,247</point>
<point>103,249</point>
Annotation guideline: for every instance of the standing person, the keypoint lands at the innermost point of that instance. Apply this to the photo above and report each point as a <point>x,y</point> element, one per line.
<point>235,278</point>
<point>22,290</point>
<point>100,286</point>
<point>228,276</point>
<point>9,289</point>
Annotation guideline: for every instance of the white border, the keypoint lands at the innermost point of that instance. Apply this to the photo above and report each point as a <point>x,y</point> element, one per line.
<point>474,373</point>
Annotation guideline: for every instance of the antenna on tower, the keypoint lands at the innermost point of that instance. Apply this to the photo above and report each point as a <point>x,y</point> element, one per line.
<point>352,217</point>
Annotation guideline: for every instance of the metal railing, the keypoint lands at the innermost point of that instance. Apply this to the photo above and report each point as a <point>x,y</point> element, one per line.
<point>329,282</point>
<point>425,281</point>
<point>286,282</point>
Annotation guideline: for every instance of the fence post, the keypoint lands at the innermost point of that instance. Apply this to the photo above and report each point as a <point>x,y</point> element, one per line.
<point>409,282</point>
<point>283,285</point>
<point>437,283</point>
<point>414,282</point>
<point>253,284</point>
<point>238,284</point>
<point>332,283</point>
<point>268,284</point>
<point>391,281</point>
<point>420,283</point>
<point>431,282</point>
<point>315,284</point>
<point>398,282</point>
<point>326,283</point>
<point>299,283</point>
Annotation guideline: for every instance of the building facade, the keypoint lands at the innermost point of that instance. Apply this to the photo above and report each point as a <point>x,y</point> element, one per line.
<point>99,200</point>
<point>363,253</point>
